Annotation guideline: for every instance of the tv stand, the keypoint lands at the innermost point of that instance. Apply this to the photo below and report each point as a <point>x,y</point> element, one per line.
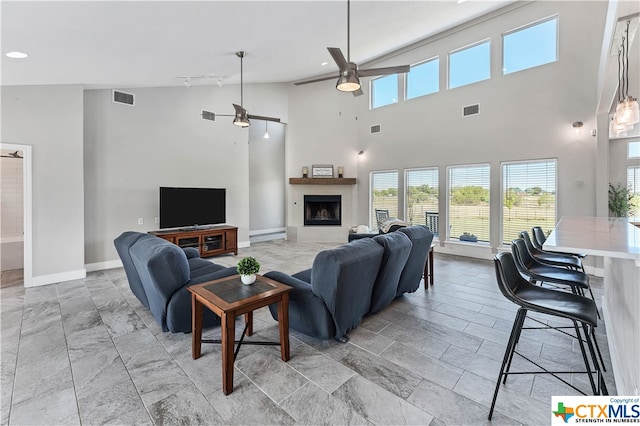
<point>209,240</point>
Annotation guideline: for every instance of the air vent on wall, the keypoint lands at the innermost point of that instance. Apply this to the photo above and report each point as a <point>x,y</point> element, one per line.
<point>471,110</point>
<point>123,98</point>
<point>208,115</point>
<point>375,128</point>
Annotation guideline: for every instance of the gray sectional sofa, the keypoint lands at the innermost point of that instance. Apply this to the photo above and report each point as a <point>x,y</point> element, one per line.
<point>159,273</point>
<point>328,300</point>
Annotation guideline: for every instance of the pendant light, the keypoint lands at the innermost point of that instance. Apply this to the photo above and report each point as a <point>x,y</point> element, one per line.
<point>627,113</point>
<point>266,130</point>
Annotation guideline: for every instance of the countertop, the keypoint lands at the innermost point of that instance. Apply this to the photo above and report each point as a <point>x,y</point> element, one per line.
<point>597,236</point>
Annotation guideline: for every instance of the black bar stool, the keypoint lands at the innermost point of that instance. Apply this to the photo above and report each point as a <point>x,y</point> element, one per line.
<point>555,259</point>
<point>539,238</point>
<point>581,311</point>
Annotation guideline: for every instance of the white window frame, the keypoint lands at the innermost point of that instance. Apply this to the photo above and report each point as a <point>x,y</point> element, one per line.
<point>527,26</point>
<point>417,64</point>
<point>460,49</point>
<point>371,91</point>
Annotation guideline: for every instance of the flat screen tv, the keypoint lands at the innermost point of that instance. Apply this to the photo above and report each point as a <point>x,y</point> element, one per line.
<point>192,207</point>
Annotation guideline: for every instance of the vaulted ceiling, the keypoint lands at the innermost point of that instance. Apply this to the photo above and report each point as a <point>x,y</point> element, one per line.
<point>104,44</point>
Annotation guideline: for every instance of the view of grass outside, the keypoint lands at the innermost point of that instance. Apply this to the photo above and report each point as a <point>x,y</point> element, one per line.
<point>469,203</point>
<point>529,197</point>
<point>384,194</point>
<point>421,194</point>
<point>523,210</point>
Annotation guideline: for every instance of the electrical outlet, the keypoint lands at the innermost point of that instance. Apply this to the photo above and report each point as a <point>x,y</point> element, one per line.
<point>156,220</point>
<point>140,221</point>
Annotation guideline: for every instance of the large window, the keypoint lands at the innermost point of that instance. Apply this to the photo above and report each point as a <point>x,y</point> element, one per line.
<point>528,47</point>
<point>633,149</point>
<point>421,197</point>
<point>470,64</point>
<point>384,90</point>
<point>528,197</point>
<point>469,203</point>
<point>384,194</point>
<point>423,79</point>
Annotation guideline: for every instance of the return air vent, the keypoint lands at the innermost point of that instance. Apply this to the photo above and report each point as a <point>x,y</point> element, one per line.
<point>375,128</point>
<point>208,115</point>
<point>123,98</point>
<point>471,110</point>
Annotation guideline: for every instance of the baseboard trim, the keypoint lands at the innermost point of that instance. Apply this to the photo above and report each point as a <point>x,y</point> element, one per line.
<point>99,266</point>
<point>266,231</point>
<point>58,278</point>
<point>244,244</point>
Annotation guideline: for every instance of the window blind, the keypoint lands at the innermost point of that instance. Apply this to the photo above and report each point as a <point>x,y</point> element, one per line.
<point>528,197</point>
<point>384,194</point>
<point>469,202</point>
<point>421,194</point>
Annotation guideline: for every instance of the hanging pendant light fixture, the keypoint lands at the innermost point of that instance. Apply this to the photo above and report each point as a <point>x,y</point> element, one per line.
<point>627,113</point>
<point>266,130</point>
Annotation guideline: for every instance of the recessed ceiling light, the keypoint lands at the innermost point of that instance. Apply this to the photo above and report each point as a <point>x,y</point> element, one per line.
<point>17,55</point>
<point>461,1</point>
<point>323,64</point>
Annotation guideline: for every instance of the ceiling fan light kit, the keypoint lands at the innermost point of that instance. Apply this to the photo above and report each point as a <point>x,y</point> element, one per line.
<point>349,78</point>
<point>348,83</point>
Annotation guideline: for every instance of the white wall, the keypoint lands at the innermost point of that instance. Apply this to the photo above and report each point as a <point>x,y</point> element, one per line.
<point>163,141</point>
<point>266,177</point>
<point>525,115</point>
<point>49,118</point>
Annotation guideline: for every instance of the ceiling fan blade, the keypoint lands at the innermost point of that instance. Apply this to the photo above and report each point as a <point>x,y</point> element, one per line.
<point>262,117</point>
<point>338,57</point>
<point>315,80</point>
<point>384,71</point>
<point>239,109</point>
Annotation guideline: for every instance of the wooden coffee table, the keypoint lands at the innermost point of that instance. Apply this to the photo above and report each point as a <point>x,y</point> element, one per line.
<point>229,298</point>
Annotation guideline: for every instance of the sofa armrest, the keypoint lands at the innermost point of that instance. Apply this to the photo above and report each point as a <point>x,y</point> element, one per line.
<point>222,273</point>
<point>301,289</point>
<point>191,252</point>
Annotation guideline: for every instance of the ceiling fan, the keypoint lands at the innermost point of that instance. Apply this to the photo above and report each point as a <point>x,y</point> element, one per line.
<point>12,155</point>
<point>349,78</point>
<point>241,117</point>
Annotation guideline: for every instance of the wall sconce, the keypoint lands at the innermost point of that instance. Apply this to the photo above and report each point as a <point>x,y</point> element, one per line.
<point>577,127</point>
<point>361,153</point>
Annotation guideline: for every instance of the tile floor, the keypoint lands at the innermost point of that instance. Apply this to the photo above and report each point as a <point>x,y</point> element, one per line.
<point>87,352</point>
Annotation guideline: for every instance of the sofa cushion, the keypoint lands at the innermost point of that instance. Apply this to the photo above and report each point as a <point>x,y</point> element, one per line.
<point>397,247</point>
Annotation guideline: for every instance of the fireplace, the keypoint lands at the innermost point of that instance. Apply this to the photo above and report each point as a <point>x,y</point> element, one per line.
<point>322,210</point>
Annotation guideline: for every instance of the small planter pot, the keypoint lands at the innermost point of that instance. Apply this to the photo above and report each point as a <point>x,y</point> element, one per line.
<point>248,279</point>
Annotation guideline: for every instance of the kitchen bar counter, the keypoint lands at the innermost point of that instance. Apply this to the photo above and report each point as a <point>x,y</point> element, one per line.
<point>617,240</point>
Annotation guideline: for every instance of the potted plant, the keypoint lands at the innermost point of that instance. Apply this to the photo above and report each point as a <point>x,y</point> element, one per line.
<point>248,267</point>
<point>619,200</point>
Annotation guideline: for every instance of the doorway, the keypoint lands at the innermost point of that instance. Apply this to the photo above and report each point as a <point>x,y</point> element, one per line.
<point>17,159</point>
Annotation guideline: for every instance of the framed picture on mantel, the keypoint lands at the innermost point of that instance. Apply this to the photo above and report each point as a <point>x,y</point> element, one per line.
<point>322,171</point>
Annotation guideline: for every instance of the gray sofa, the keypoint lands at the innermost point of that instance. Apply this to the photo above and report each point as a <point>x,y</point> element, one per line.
<point>159,273</point>
<point>351,281</point>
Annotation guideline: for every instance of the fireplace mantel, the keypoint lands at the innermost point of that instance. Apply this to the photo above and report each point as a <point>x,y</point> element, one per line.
<point>322,181</point>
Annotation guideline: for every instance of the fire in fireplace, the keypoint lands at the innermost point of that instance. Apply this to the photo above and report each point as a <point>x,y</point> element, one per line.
<point>322,210</point>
